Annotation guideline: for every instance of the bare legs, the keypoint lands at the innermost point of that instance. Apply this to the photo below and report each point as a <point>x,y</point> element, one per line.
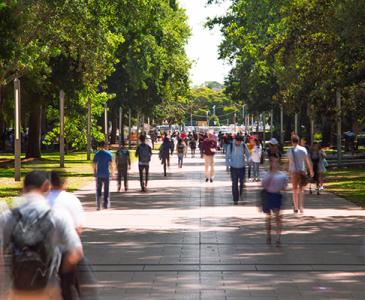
<point>278,220</point>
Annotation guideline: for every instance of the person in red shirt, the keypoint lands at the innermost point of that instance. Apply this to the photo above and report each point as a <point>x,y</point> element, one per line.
<point>209,149</point>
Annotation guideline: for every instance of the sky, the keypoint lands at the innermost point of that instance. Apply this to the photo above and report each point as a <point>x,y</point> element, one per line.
<point>202,48</point>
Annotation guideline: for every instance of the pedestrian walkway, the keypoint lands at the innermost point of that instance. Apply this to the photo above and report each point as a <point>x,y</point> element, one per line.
<point>184,239</point>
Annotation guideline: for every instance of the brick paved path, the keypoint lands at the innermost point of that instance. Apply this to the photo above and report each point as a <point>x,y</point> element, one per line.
<point>185,240</point>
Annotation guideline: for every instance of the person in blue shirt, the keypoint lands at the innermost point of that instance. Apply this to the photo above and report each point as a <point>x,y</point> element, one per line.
<point>102,164</point>
<point>237,156</point>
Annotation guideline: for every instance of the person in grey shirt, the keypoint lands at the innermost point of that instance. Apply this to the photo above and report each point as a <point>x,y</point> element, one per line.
<point>237,157</point>
<point>36,185</point>
<point>299,167</point>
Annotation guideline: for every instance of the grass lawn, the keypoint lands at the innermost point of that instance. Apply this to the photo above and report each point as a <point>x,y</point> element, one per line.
<point>348,183</point>
<point>77,170</point>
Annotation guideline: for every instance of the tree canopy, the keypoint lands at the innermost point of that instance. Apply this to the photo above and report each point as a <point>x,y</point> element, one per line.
<point>127,52</point>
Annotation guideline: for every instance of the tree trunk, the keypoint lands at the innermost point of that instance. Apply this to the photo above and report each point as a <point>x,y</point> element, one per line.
<point>34,139</point>
<point>2,120</point>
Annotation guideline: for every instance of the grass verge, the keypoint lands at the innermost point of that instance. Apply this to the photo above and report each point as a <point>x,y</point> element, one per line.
<point>77,170</point>
<point>348,183</point>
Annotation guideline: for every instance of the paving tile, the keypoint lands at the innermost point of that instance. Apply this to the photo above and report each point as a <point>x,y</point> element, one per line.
<point>184,239</point>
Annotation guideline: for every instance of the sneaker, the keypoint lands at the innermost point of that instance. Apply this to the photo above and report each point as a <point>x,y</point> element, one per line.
<point>206,179</point>
<point>98,208</point>
<point>295,211</point>
<point>211,180</point>
<point>301,210</point>
<point>235,202</point>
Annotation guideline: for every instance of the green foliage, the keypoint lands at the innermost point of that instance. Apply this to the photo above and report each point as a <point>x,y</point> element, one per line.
<point>296,53</point>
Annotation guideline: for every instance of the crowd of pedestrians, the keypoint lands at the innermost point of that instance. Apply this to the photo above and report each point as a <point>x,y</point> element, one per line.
<point>43,234</point>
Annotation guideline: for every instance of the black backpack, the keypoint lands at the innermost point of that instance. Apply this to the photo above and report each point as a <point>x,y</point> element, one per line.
<point>32,250</point>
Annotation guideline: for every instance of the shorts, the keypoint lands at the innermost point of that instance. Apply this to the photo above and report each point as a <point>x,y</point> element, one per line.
<point>273,202</point>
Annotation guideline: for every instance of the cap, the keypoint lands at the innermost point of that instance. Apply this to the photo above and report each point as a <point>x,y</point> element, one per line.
<point>273,141</point>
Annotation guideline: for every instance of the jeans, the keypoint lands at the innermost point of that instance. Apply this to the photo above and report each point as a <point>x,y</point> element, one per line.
<point>123,172</point>
<point>255,170</point>
<point>180,157</point>
<point>143,180</point>
<point>237,174</point>
<point>100,181</point>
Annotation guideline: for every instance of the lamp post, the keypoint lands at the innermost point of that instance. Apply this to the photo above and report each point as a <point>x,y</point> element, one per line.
<point>129,127</point>
<point>120,125</point>
<point>17,139</point>
<point>281,125</point>
<point>296,124</point>
<point>88,147</point>
<point>106,131</point>
<point>62,129</point>
<point>208,118</point>
<point>339,129</point>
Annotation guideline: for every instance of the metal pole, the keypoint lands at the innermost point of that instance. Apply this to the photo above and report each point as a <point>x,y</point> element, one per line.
<point>264,129</point>
<point>17,139</point>
<point>143,131</point>
<point>235,123</point>
<point>243,116</point>
<point>138,127</point>
<point>312,130</point>
<point>208,118</point>
<point>339,129</point>
<point>272,123</point>
<point>281,125</point>
<point>296,124</point>
<point>129,126</point>
<point>62,129</point>
<point>106,129</point>
<point>191,117</point>
<point>88,147</point>
<point>120,125</point>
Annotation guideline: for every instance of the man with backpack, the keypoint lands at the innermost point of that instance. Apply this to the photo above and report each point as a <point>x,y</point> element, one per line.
<point>144,153</point>
<point>123,162</point>
<point>237,157</point>
<point>33,235</point>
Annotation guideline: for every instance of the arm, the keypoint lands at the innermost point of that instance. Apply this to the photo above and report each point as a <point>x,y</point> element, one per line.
<point>129,161</point>
<point>68,237</point>
<point>309,165</point>
<point>94,168</point>
<point>247,153</point>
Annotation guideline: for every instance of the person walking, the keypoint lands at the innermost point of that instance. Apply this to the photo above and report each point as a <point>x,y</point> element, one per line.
<point>256,160</point>
<point>34,228</point>
<point>299,166</point>
<point>123,163</point>
<point>103,167</point>
<point>180,152</point>
<point>237,155</point>
<point>144,153</point>
<point>165,154</point>
<point>318,159</point>
<point>273,150</point>
<point>193,147</point>
<point>273,182</point>
<point>209,148</point>
<point>72,282</point>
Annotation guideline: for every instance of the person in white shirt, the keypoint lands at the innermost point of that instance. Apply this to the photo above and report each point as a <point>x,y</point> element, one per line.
<point>273,183</point>
<point>60,200</point>
<point>256,159</point>
<point>299,166</point>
